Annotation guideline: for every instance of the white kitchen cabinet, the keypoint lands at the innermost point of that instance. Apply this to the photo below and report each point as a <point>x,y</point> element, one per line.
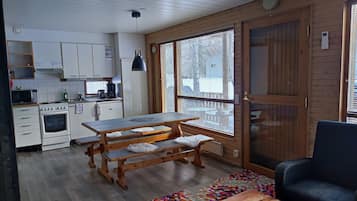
<point>85,60</point>
<point>70,60</point>
<point>109,110</point>
<point>89,114</point>
<point>102,61</point>
<point>27,126</point>
<point>47,55</point>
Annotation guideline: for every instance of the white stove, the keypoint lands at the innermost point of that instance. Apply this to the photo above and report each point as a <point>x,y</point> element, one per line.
<point>53,107</point>
<point>54,126</point>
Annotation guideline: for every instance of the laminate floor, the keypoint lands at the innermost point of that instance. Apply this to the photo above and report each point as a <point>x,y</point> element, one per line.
<point>63,175</point>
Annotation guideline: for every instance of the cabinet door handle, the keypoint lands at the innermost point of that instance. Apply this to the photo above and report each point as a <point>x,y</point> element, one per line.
<point>25,118</point>
<point>110,108</point>
<point>98,110</point>
<point>24,110</point>
<point>25,126</point>
<point>29,133</point>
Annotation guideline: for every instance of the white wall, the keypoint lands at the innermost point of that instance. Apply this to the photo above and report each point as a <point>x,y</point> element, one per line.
<point>135,90</point>
<point>58,36</point>
<point>50,87</point>
<point>128,43</point>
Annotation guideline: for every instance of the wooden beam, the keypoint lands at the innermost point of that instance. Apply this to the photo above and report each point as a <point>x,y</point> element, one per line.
<point>155,161</point>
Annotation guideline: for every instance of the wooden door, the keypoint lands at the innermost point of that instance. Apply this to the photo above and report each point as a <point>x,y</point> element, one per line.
<point>275,90</point>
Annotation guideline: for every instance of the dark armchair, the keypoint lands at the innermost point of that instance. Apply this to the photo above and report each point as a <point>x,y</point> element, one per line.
<point>330,175</point>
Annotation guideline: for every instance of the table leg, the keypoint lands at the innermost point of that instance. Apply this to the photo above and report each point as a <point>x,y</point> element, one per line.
<point>177,131</point>
<point>103,170</point>
<point>90,153</point>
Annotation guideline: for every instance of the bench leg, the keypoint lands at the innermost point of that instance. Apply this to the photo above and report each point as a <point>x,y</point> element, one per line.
<point>90,153</point>
<point>182,160</point>
<point>103,170</point>
<point>197,158</point>
<point>121,181</point>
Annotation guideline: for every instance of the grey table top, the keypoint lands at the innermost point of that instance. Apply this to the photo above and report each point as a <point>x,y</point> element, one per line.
<point>112,125</point>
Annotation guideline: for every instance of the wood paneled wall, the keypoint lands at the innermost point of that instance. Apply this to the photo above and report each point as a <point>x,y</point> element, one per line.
<point>324,69</point>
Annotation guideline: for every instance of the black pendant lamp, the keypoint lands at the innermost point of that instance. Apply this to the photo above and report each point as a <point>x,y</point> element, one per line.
<point>138,63</point>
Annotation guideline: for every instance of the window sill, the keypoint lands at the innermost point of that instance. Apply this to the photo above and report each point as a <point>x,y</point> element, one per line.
<point>208,131</point>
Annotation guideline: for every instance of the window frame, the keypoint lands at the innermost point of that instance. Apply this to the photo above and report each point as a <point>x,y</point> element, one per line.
<point>344,114</point>
<point>177,97</point>
<point>96,80</point>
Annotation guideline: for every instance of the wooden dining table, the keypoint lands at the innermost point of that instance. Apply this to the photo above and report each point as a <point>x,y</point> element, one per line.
<point>103,127</point>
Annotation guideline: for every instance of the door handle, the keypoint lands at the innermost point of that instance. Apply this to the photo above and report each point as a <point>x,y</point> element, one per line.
<point>246,98</point>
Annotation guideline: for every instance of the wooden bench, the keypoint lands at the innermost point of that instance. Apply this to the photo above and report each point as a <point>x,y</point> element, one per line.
<point>127,137</point>
<point>169,150</point>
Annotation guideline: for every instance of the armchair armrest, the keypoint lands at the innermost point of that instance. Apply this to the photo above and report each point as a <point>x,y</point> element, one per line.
<point>289,172</point>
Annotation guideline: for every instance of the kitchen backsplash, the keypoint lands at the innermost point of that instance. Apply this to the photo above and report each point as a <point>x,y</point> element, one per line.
<point>50,87</point>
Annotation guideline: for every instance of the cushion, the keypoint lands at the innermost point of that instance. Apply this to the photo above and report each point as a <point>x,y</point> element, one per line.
<point>312,190</point>
<point>335,152</point>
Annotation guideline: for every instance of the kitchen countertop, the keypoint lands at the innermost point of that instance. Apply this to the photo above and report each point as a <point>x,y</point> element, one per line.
<point>85,100</point>
<point>94,99</point>
<point>24,105</point>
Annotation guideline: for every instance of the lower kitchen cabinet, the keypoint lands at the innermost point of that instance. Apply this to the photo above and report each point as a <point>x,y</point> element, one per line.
<point>27,126</point>
<point>109,110</point>
<point>77,118</point>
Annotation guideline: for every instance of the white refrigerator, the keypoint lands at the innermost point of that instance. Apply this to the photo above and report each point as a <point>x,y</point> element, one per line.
<point>135,89</point>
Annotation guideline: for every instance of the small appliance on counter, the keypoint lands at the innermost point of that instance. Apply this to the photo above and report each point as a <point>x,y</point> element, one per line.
<point>22,97</point>
<point>101,93</point>
<point>80,97</point>
<point>111,90</point>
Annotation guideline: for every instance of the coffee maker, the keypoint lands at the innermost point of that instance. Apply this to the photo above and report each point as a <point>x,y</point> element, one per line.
<point>111,90</point>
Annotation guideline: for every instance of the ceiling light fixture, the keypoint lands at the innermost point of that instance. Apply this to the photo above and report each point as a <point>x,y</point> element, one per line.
<point>138,62</point>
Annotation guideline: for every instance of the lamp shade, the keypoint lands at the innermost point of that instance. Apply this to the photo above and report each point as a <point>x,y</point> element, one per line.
<point>138,63</point>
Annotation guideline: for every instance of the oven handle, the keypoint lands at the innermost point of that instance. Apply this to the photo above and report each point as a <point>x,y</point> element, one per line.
<point>54,113</point>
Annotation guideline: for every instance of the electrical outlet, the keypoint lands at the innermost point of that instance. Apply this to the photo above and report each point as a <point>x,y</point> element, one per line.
<point>236,153</point>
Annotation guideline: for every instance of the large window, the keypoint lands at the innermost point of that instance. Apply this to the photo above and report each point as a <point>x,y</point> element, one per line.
<point>167,76</point>
<point>352,84</point>
<point>198,78</point>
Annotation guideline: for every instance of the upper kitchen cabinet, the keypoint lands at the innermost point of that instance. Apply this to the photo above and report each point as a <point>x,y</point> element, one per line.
<point>47,55</point>
<point>70,60</point>
<point>85,60</point>
<point>102,61</point>
<point>20,59</point>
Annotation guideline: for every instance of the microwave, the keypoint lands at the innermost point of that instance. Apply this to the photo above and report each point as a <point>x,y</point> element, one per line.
<point>24,96</point>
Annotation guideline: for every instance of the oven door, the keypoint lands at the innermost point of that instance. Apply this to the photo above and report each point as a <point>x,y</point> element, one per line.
<point>55,124</point>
